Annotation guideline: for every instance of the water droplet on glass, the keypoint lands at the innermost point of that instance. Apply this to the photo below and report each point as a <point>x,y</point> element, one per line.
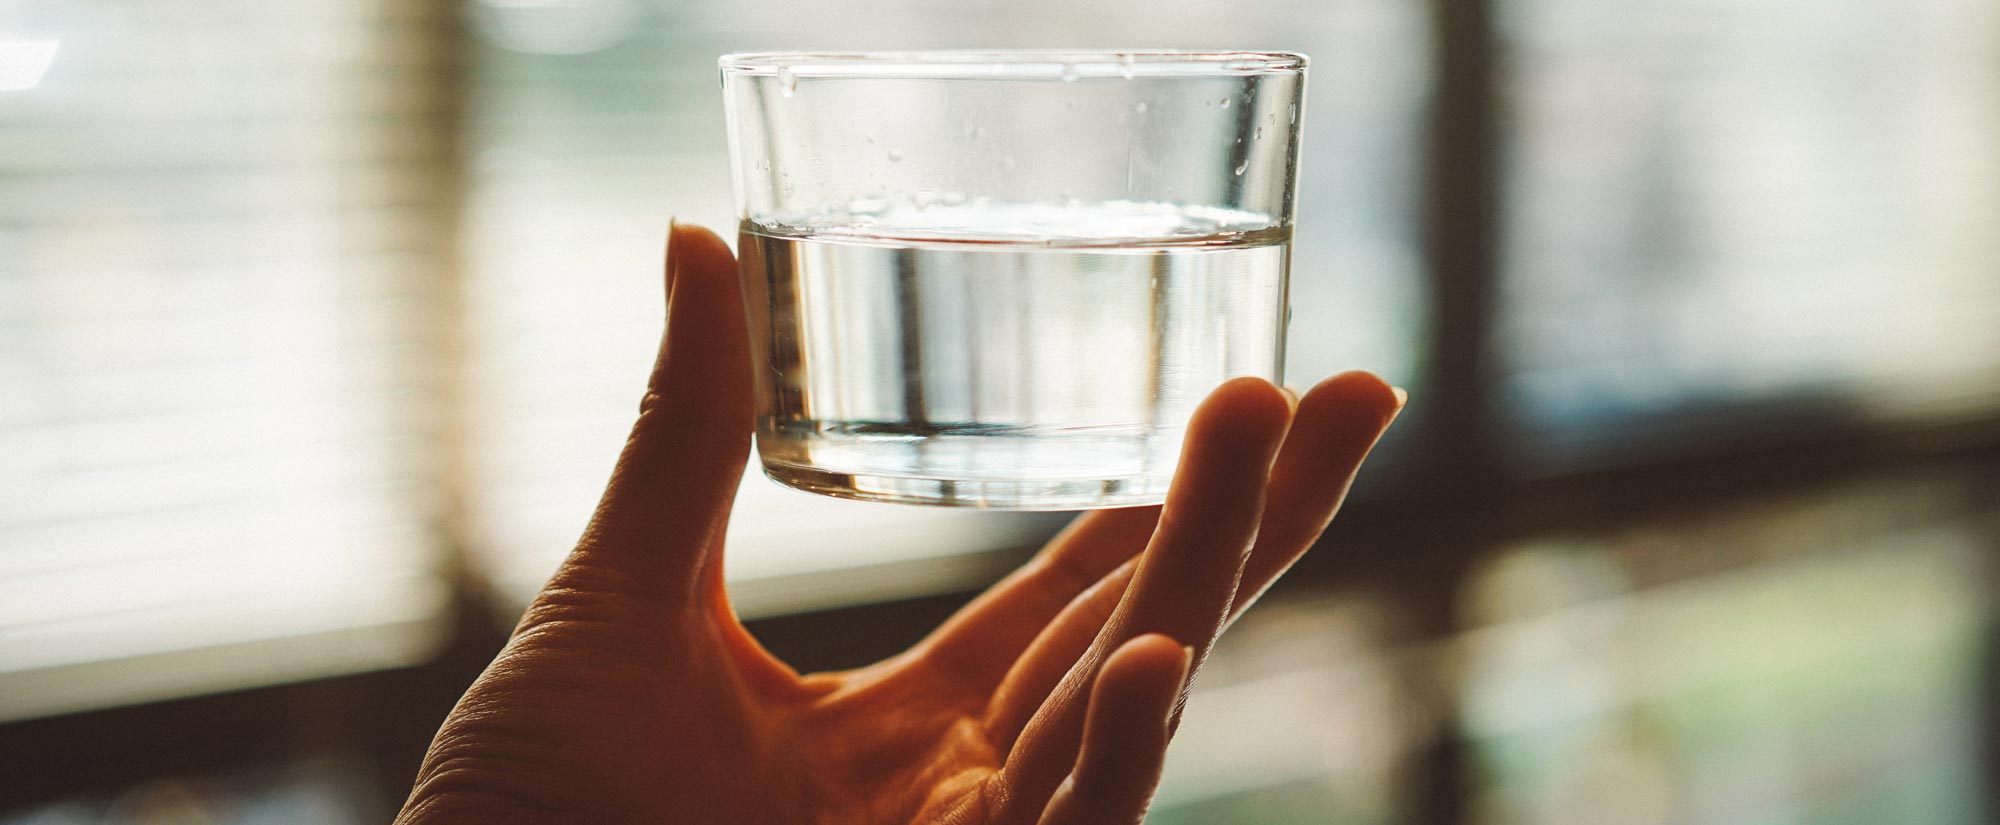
<point>1225,103</point>
<point>870,139</point>
<point>1292,114</point>
<point>923,198</point>
<point>952,198</point>
<point>1243,167</point>
<point>1139,107</point>
<point>895,156</point>
<point>1258,135</point>
<point>1069,73</point>
<point>763,166</point>
<point>787,81</point>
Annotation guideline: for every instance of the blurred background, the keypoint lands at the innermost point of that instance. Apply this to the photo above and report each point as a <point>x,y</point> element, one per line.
<point>322,321</point>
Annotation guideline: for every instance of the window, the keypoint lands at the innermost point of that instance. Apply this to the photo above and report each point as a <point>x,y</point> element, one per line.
<point>592,122</point>
<point>297,326</point>
<point>1805,659</point>
<point>218,246</point>
<point>314,313</point>
<point>1711,211</point>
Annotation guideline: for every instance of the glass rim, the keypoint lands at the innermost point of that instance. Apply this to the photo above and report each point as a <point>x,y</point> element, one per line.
<point>1013,64</point>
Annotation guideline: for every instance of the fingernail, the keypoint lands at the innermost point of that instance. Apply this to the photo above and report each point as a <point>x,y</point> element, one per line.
<point>1291,396</point>
<point>1402,396</point>
<point>673,225</point>
<point>1187,660</point>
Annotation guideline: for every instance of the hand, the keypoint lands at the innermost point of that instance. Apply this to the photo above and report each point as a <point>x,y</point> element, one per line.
<point>630,692</point>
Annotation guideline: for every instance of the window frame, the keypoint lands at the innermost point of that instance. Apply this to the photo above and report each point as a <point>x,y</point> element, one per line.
<point>1389,539</point>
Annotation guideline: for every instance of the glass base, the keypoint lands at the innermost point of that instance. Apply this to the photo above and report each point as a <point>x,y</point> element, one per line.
<point>985,493</point>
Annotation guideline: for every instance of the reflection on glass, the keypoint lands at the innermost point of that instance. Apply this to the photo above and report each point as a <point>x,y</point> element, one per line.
<point>23,62</point>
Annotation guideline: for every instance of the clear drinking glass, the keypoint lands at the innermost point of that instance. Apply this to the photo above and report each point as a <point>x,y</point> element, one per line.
<point>1005,279</point>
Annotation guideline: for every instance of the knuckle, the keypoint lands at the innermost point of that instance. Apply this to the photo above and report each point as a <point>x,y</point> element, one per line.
<point>572,621</point>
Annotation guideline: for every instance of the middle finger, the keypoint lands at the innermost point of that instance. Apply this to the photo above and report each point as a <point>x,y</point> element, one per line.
<point>1187,577</point>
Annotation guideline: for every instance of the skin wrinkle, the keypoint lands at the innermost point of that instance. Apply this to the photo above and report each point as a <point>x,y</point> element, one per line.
<point>630,692</point>
<point>1092,546</point>
<point>574,598</point>
<point>1126,735</point>
<point>596,643</point>
<point>1065,641</point>
<point>584,582</point>
<point>481,766</point>
<point>1251,430</point>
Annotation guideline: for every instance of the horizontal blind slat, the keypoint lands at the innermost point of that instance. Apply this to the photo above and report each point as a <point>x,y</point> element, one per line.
<point>221,226</point>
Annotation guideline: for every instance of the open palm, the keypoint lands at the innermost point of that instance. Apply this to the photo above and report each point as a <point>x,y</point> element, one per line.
<point>631,693</point>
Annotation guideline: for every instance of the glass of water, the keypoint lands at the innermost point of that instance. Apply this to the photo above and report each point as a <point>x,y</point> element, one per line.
<point>1006,279</point>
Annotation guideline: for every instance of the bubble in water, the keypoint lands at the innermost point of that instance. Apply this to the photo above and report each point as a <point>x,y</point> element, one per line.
<point>1069,73</point>
<point>870,139</point>
<point>1243,167</point>
<point>923,198</point>
<point>1292,114</point>
<point>1225,103</point>
<point>788,82</point>
<point>952,198</point>
<point>1258,135</point>
<point>763,166</point>
<point>895,156</point>
<point>1139,107</point>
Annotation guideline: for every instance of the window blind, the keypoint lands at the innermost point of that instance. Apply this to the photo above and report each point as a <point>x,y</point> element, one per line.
<point>1709,207</point>
<point>593,122</point>
<point>219,232</point>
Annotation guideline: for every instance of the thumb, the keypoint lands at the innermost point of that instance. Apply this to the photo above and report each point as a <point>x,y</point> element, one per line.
<point>658,528</point>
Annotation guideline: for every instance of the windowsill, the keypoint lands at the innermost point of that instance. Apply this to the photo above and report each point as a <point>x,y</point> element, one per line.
<point>198,648</point>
